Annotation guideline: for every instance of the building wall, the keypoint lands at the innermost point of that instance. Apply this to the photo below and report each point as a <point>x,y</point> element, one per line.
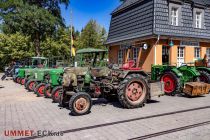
<point>185,29</point>
<point>148,56</point>
<point>113,54</point>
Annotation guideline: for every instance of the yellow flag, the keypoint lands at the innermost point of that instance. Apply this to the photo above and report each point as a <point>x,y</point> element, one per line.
<point>73,51</point>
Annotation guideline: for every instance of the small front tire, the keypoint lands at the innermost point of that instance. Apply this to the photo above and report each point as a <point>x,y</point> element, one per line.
<point>80,104</point>
<point>39,90</point>
<point>56,93</point>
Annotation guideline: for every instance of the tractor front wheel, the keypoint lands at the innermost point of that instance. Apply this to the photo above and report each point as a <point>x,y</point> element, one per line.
<point>171,83</point>
<point>56,93</point>
<point>47,91</point>
<point>39,90</point>
<point>30,85</point>
<point>204,77</point>
<point>80,104</point>
<point>133,91</point>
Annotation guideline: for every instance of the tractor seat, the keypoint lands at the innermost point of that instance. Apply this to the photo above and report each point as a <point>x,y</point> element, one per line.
<point>129,66</point>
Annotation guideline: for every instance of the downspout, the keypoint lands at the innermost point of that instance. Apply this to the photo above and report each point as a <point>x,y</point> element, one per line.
<point>158,39</point>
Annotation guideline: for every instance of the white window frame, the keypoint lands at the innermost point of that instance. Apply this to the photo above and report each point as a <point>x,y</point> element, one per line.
<point>198,19</point>
<point>120,57</point>
<point>174,16</point>
<point>197,52</point>
<point>208,53</point>
<point>135,54</point>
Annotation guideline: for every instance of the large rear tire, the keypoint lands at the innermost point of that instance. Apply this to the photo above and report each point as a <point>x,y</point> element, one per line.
<point>80,104</point>
<point>30,85</point>
<point>39,90</point>
<point>22,81</point>
<point>48,91</point>
<point>133,91</point>
<point>204,77</point>
<point>172,83</point>
<point>18,80</point>
<point>56,93</point>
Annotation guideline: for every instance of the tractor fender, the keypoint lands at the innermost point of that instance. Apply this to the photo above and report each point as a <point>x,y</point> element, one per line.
<point>175,71</point>
<point>124,73</point>
<point>194,72</point>
<point>203,69</point>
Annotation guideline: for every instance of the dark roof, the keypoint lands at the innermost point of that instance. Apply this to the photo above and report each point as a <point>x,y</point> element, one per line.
<point>128,3</point>
<point>125,4</point>
<point>202,2</point>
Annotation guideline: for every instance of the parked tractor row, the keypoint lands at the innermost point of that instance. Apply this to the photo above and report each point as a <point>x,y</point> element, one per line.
<point>90,76</point>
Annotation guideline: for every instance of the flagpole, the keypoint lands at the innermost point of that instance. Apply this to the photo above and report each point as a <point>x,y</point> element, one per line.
<point>71,32</point>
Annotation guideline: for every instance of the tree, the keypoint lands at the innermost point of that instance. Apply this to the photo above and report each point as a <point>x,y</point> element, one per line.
<point>14,47</point>
<point>93,35</point>
<point>37,19</point>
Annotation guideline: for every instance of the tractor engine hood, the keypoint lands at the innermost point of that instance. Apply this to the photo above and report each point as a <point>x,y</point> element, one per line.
<point>70,75</point>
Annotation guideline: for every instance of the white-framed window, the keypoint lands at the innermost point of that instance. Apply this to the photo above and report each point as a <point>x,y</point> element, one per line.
<point>135,54</point>
<point>198,19</point>
<point>197,52</point>
<point>174,16</point>
<point>120,56</point>
<point>208,53</point>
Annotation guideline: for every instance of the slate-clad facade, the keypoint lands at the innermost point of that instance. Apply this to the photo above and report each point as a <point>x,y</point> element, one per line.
<point>186,29</point>
<point>185,23</point>
<point>136,21</point>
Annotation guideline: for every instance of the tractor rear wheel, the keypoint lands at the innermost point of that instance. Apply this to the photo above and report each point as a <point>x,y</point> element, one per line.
<point>204,77</point>
<point>47,91</point>
<point>80,104</point>
<point>56,93</point>
<point>133,91</point>
<point>171,83</point>
<point>39,90</point>
<point>22,81</point>
<point>18,80</point>
<point>30,85</point>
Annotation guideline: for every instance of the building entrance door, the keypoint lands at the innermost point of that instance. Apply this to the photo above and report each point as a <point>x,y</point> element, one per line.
<point>180,56</point>
<point>165,55</point>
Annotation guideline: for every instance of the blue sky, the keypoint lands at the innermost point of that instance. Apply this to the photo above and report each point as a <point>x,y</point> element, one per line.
<point>84,10</point>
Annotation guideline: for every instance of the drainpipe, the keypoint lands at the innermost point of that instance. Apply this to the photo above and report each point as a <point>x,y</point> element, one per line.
<point>155,48</point>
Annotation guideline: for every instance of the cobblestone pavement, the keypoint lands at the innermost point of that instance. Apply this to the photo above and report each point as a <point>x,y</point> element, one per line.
<point>165,118</point>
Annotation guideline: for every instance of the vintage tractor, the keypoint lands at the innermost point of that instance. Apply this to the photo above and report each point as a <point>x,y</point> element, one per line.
<point>202,65</point>
<point>26,72</point>
<point>129,83</point>
<point>176,79</point>
<point>55,84</point>
<point>30,74</point>
<point>49,81</point>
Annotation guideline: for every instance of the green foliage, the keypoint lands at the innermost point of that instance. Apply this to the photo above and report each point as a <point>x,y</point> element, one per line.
<point>37,19</point>
<point>14,47</point>
<point>93,35</point>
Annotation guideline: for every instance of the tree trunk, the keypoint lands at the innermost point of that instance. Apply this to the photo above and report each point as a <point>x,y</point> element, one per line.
<point>37,44</point>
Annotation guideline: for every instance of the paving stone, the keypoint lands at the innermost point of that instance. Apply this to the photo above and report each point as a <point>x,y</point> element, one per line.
<point>22,110</point>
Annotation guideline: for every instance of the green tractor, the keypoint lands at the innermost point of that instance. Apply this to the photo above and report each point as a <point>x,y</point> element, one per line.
<point>54,86</point>
<point>129,83</point>
<point>46,76</point>
<point>175,78</point>
<point>83,60</point>
<point>26,72</point>
<point>38,64</point>
<point>203,67</point>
